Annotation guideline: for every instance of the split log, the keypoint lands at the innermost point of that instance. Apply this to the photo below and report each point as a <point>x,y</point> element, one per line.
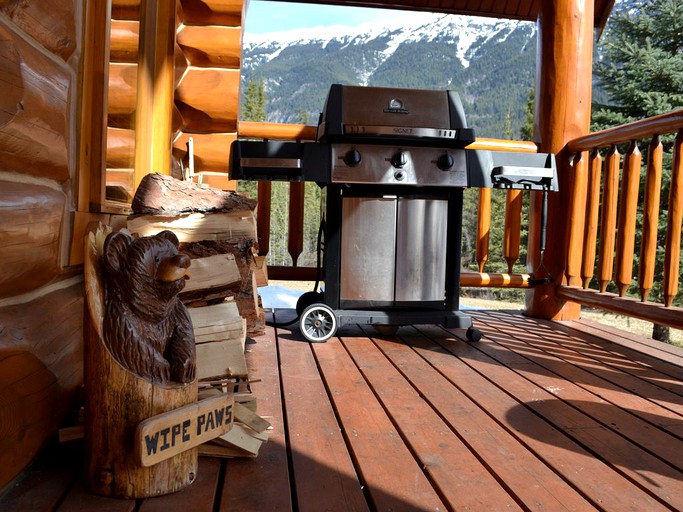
<point>212,275</point>
<point>220,334</point>
<point>160,194</point>
<point>240,441</point>
<point>246,297</point>
<point>34,108</point>
<point>217,323</point>
<point>117,401</point>
<point>31,220</point>
<point>223,223</point>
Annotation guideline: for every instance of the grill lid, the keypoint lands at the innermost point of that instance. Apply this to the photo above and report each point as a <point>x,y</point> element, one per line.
<point>387,115</point>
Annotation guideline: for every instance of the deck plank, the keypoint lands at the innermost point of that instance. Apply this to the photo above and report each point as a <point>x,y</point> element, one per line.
<point>81,500</point>
<point>539,415</point>
<point>527,477</point>
<point>324,475</point>
<point>475,372</point>
<point>627,339</point>
<point>394,480</point>
<point>43,485</point>
<point>637,465</point>
<point>645,352</point>
<point>627,373</point>
<point>575,384</point>
<point>201,495</point>
<point>261,483</point>
<point>460,478</point>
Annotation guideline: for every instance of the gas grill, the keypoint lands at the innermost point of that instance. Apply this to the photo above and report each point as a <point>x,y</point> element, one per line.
<point>394,163</point>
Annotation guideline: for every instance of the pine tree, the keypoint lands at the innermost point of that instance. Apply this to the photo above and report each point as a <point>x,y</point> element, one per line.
<point>640,62</point>
<point>640,67</point>
<point>254,101</point>
<point>253,109</point>
<point>527,130</point>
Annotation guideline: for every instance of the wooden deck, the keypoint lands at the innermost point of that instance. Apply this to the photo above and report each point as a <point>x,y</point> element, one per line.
<point>537,416</point>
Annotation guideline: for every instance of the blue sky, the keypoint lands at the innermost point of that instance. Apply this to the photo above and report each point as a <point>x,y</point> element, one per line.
<point>264,16</point>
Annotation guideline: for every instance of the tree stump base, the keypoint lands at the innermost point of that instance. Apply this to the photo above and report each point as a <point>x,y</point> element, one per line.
<point>116,402</point>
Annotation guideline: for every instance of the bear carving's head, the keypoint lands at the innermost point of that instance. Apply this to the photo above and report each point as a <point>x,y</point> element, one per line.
<point>147,272</point>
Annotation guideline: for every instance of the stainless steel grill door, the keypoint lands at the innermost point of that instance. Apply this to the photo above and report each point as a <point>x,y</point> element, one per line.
<point>421,249</point>
<point>368,250</point>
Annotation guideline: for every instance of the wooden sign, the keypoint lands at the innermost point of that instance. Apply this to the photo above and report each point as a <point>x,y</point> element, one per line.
<point>168,434</point>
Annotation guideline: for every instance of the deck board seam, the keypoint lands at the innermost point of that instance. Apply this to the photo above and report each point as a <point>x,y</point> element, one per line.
<point>606,424</point>
<point>573,434</point>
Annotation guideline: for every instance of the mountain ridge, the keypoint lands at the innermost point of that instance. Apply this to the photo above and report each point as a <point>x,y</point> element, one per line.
<point>490,63</point>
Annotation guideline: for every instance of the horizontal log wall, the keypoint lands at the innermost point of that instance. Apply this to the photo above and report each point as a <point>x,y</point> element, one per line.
<point>207,97</point>
<point>41,297</point>
<point>207,72</point>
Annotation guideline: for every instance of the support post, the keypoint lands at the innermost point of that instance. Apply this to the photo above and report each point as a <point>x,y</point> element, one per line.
<point>155,88</point>
<point>563,105</point>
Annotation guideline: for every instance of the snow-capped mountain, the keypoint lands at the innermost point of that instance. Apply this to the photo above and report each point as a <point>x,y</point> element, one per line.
<point>489,62</point>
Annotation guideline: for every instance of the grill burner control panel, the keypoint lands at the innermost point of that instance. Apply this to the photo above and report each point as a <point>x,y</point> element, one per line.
<point>357,163</point>
<point>384,136</point>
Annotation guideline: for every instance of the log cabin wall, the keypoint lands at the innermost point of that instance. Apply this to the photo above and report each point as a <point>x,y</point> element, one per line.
<point>207,60</point>
<point>41,297</point>
<point>67,114</point>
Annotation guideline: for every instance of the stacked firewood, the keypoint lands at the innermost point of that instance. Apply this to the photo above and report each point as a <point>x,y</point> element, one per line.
<point>217,230</point>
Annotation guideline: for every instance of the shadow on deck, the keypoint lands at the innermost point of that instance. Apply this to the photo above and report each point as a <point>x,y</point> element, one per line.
<point>537,416</point>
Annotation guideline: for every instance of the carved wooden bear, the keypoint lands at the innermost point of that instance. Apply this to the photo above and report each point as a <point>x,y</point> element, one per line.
<point>146,327</point>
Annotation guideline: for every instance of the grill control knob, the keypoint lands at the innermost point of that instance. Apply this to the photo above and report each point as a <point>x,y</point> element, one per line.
<point>399,159</point>
<point>445,162</point>
<point>352,158</point>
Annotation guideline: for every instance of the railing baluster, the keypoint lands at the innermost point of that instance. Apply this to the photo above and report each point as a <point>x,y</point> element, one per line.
<point>483,227</point>
<point>673,226</point>
<point>626,235</point>
<point>263,217</point>
<point>648,246</point>
<point>295,242</point>
<point>577,218</point>
<point>608,222</point>
<point>590,236</point>
<point>513,227</point>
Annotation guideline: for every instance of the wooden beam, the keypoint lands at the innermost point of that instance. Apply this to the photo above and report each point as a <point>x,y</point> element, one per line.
<point>563,103</point>
<point>155,83</point>
<point>629,306</point>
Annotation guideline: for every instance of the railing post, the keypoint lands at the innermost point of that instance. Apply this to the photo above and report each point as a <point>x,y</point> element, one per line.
<point>577,220</point>
<point>626,229</point>
<point>590,233</point>
<point>673,224</point>
<point>483,227</point>
<point>608,220</point>
<point>648,246</point>
<point>563,99</point>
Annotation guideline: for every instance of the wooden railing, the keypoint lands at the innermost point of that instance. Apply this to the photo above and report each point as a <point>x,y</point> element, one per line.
<point>513,216</point>
<point>606,204</point>
<point>606,207</point>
